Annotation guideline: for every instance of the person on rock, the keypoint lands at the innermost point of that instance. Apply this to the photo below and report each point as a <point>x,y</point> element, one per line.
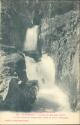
<point>15,89</point>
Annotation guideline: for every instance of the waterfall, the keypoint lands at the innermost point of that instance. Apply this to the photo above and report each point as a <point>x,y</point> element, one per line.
<point>31,38</point>
<point>44,72</point>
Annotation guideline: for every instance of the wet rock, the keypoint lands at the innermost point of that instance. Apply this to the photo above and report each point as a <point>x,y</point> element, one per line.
<point>20,97</point>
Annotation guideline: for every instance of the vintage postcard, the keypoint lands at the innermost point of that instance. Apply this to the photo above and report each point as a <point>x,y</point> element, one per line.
<point>39,62</point>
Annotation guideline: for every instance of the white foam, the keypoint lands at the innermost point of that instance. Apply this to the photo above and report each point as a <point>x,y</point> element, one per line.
<point>44,72</point>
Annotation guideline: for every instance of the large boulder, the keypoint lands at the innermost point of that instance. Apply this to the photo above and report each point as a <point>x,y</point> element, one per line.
<point>20,97</point>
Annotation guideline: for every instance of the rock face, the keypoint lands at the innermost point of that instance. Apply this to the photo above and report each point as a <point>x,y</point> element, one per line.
<point>16,92</point>
<point>61,36</point>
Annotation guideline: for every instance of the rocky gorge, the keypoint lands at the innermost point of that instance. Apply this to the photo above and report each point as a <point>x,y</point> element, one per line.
<point>60,39</point>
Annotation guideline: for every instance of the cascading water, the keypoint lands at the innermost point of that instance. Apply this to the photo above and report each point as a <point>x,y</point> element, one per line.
<point>50,97</point>
<point>31,38</point>
<point>43,71</point>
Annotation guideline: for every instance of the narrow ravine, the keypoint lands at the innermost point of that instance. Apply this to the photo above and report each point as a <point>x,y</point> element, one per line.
<point>50,97</point>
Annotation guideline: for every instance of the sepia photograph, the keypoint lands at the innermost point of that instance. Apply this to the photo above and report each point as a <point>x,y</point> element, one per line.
<point>40,56</point>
